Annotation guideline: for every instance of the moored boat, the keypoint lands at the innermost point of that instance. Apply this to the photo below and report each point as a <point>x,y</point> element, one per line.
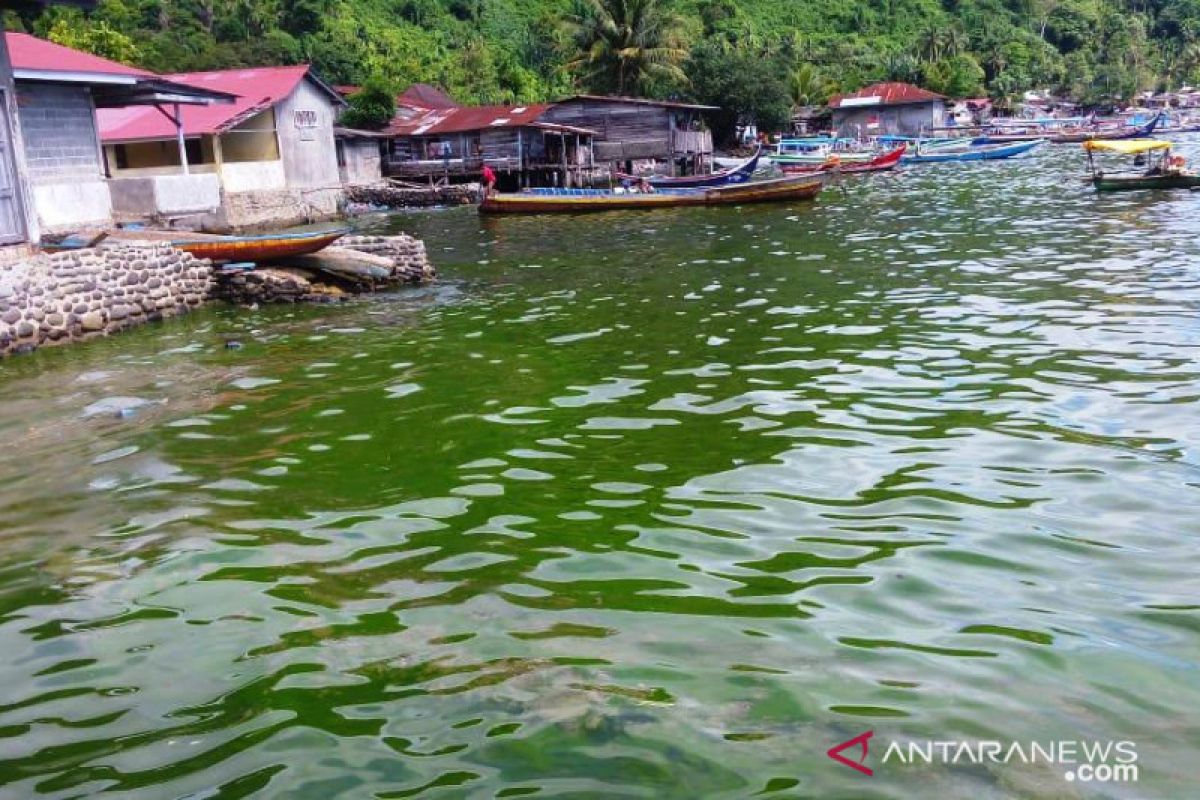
<point>259,247</point>
<point>1107,134</point>
<point>738,174</point>
<point>881,162</point>
<point>1160,169</point>
<point>538,201</point>
<point>990,152</point>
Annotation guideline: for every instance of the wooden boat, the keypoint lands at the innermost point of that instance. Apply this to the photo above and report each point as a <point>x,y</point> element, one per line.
<point>261,247</point>
<point>738,174</point>
<point>538,201</point>
<point>1108,135</point>
<point>1161,170</point>
<point>879,163</point>
<point>990,152</point>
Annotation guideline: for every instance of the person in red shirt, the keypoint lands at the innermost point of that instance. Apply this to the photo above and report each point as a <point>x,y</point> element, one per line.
<point>489,180</point>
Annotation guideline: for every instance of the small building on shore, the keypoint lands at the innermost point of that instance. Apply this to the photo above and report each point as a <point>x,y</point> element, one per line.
<point>888,108</point>
<point>515,141</point>
<point>271,155</point>
<point>55,143</point>
<point>630,129</point>
<point>360,155</point>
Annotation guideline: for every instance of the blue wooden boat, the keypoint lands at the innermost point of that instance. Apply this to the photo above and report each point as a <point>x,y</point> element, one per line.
<point>739,174</point>
<point>987,152</point>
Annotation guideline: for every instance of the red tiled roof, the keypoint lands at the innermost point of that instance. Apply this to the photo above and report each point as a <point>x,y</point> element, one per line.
<point>434,122</point>
<point>31,53</point>
<point>422,95</point>
<point>892,93</point>
<point>257,89</point>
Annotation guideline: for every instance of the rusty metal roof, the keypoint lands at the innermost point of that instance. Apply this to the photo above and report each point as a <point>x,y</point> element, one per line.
<point>890,93</point>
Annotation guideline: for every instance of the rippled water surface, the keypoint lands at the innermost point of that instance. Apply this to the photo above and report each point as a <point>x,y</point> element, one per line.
<point>658,505</point>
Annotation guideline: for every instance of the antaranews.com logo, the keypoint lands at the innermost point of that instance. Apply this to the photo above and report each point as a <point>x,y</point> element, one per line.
<point>1086,761</point>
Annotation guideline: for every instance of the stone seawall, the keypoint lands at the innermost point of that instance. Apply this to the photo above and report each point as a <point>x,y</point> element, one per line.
<point>387,195</point>
<point>66,297</point>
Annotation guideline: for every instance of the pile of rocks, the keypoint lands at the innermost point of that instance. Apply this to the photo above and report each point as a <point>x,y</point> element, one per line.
<point>407,254</point>
<point>53,299</point>
<point>390,195</point>
<point>274,285</point>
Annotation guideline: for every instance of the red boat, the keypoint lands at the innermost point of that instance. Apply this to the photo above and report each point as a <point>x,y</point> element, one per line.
<point>879,163</point>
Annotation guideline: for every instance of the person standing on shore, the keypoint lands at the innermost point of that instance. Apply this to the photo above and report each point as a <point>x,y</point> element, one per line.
<point>489,180</point>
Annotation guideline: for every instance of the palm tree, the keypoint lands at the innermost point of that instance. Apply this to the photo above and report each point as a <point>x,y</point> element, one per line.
<point>626,45</point>
<point>808,87</point>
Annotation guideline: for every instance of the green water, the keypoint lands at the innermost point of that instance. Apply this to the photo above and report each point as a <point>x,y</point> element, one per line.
<point>656,506</point>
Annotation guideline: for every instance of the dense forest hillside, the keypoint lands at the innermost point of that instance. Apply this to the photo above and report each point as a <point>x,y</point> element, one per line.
<point>756,57</point>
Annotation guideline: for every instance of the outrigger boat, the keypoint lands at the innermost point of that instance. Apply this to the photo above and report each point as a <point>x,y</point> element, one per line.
<point>834,163</point>
<point>1162,170</point>
<point>538,201</point>
<point>738,174</point>
<point>987,152</point>
<point>261,247</point>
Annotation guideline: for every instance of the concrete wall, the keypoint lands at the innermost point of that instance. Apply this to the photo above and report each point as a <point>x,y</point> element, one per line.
<point>305,124</point>
<point>165,195</point>
<point>912,119</point>
<point>62,156</point>
<point>63,207</point>
<point>361,162</point>
<point>250,176</point>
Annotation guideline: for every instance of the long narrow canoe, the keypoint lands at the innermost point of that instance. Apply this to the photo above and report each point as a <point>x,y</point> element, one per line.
<point>879,163</point>
<point>984,153</point>
<point>539,201</point>
<point>261,247</point>
<point>738,174</point>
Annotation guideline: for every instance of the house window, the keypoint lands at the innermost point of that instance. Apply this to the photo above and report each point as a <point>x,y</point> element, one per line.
<point>195,154</point>
<point>122,156</point>
<point>340,148</point>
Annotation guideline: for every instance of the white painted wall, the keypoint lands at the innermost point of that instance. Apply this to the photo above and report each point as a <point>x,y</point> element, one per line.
<point>62,207</point>
<point>165,194</point>
<point>305,125</point>
<point>253,176</point>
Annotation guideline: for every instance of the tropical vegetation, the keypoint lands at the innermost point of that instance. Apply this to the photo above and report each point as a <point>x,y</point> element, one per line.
<point>757,59</point>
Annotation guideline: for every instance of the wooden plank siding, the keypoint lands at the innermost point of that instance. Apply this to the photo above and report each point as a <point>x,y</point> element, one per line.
<point>627,130</point>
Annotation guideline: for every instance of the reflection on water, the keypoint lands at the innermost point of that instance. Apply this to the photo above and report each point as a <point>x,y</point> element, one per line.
<point>658,505</point>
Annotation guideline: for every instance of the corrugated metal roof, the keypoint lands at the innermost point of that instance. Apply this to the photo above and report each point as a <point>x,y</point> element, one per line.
<point>890,93</point>
<point>257,89</point>
<point>422,95</point>
<point>639,101</point>
<point>435,122</point>
<point>31,53</point>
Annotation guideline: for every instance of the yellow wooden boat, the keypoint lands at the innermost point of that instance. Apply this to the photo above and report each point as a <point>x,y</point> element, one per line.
<point>542,201</point>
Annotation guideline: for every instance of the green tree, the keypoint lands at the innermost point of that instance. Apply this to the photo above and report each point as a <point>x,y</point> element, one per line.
<point>808,87</point>
<point>98,38</point>
<point>371,107</point>
<point>627,46</point>
<point>746,86</point>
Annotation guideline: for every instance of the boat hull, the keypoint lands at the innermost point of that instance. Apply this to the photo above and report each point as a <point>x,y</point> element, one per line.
<point>1126,183</point>
<point>879,163</point>
<point>263,247</point>
<point>739,174</point>
<point>986,153</point>
<point>779,190</point>
<point>1087,136</point>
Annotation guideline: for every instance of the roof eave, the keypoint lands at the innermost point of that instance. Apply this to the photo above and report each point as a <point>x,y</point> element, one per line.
<point>63,76</point>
